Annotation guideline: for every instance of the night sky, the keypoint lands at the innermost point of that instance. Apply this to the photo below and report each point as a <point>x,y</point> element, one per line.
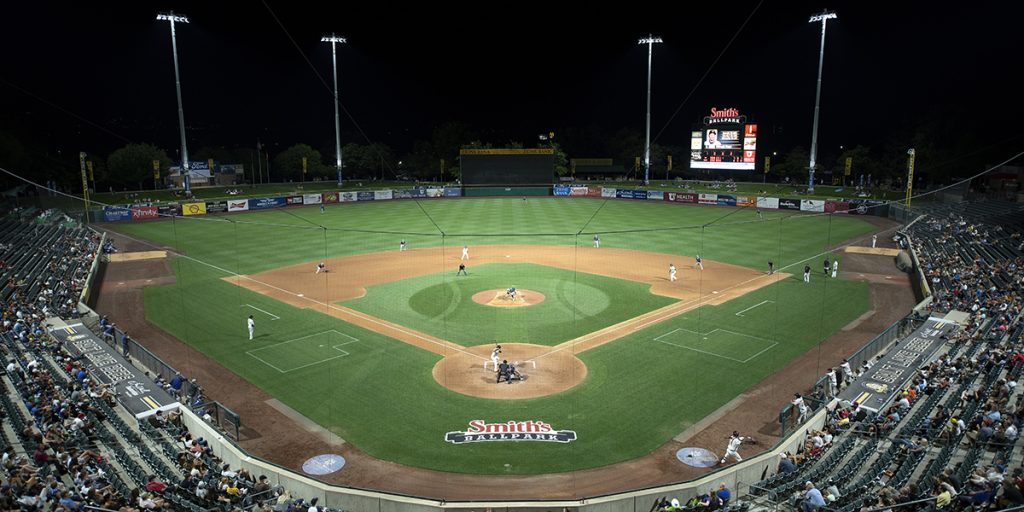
<point>511,71</point>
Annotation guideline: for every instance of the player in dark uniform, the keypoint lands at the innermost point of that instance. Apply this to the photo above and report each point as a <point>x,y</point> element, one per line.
<point>462,270</point>
<point>771,267</point>
<point>503,371</point>
<point>828,267</point>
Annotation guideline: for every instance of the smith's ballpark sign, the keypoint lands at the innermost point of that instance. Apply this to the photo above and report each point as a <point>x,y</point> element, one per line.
<point>480,431</point>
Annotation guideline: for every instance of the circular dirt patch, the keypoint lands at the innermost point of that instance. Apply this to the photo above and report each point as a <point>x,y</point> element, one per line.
<point>545,371</point>
<point>500,299</point>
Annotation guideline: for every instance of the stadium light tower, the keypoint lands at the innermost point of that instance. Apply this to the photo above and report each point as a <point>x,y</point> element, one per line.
<point>333,39</point>
<point>823,18</point>
<point>177,18</point>
<point>649,41</point>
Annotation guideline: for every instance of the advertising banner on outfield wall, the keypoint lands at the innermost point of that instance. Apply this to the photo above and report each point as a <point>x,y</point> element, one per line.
<point>145,212</point>
<point>708,199</point>
<point>364,196</point>
<point>312,199</point>
<point>630,194</point>
<point>768,203</point>
<point>238,205</point>
<point>561,190</point>
<point>655,195</point>
<point>812,205</point>
<point>578,191</point>
<point>726,200</point>
<point>116,213</point>
<point>837,206</point>
<point>348,197</point>
<point>681,197</point>
<point>607,192</point>
<point>595,191</point>
<point>189,209</point>
<point>789,204</point>
<point>216,206</point>
<point>169,210</point>
<point>292,200</point>
<point>329,197</point>
<point>453,191</point>
<point>746,201</point>
<point>435,192</point>
<point>409,193</point>
<point>889,375</point>
<point>266,202</point>
<point>383,195</point>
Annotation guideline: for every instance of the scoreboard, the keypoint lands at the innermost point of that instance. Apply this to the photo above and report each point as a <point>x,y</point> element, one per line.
<point>726,141</point>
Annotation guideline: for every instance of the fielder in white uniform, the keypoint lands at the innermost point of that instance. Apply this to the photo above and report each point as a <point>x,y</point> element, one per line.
<point>252,326</point>
<point>835,268</point>
<point>734,444</point>
<point>494,356</point>
<point>465,252</point>
<point>671,272</point>
<point>320,267</point>
<point>597,241</point>
<point>699,264</point>
<point>401,245</point>
<point>874,240</point>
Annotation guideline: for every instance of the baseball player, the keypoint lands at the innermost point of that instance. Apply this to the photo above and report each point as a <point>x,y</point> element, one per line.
<point>462,270</point>
<point>874,240</point>
<point>597,241</point>
<point>771,267</point>
<point>699,264</point>
<point>734,444</point>
<point>465,252</point>
<point>801,407</point>
<point>401,245</point>
<point>827,267</point>
<point>494,356</point>
<point>671,272</point>
<point>511,292</point>
<point>807,273</point>
<point>321,207</point>
<point>320,267</point>
<point>759,214</point>
<point>847,372</point>
<point>835,268</point>
<point>252,326</point>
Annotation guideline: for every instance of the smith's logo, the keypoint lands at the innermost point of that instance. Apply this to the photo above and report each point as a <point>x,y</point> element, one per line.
<point>481,431</point>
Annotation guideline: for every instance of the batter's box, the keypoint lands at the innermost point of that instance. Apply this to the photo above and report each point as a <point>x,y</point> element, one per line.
<point>299,353</point>
<point>723,343</point>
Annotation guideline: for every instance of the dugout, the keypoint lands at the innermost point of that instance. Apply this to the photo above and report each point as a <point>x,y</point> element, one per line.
<point>507,172</point>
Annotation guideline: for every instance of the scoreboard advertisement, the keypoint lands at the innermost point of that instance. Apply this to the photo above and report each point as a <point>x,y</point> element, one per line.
<point>726,141</point>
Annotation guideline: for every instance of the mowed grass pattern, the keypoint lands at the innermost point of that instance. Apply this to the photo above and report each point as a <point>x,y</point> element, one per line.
<point>381,397</point>
<point>575,304</point>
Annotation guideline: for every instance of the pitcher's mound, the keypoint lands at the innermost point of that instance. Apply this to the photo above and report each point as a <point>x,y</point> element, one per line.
<point>500,299</point>
<point>544,370</point>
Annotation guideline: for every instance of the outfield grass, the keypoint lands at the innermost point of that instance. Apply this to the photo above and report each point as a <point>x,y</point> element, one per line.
<point>575,304</point>
<point>379,393</point>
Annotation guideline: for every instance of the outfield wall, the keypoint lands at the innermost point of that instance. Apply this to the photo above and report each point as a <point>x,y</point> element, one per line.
<point>738,477</point>
<point>136,212</point>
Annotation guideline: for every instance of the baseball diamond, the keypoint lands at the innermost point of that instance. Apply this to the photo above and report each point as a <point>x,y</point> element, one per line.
<point>397,342</point>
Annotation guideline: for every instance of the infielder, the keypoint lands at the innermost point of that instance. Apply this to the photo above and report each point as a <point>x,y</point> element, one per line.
<point>494,356</point>
<point>699,264</point>
<point>320,267</point>
<point>511,292</point>
<point>465,252</point>
<point>252,326</point>
<point>734,444</point>
<point>807,273</point>
<point>671,272</point>
<point>835,268</point>
<point>827,266</point>
<point>771,267</point>
<point>401,245</point>
<point>597,241</point>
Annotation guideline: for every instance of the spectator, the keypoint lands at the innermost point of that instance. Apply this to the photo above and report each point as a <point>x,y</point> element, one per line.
<point>813,499</point>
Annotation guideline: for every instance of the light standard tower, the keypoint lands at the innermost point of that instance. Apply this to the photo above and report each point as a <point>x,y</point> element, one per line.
<point>649,41</point>
<point>337,119</point>
<point>823,18</point>
<point>171,17</point>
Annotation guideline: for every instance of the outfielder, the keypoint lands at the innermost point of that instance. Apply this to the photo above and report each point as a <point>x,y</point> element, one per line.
<point>597,241</point>
<point>807,273</point>
<point>734,444</point>
<point>699,264</point>
<point>494,356</point>
<point>671,272</point>
<point>252,326</point>
<point>835,268</point>
<point>401,245</point>
<point>465,252</point>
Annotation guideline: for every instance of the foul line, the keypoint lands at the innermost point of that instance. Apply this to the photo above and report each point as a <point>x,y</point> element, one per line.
<point>261,311</point>
<point>335,347</point>
<point>740,313</point>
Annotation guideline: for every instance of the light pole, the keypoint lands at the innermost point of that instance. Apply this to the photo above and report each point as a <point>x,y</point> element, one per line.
<point>823,18</point>
<point>337,118</point>
<point>649,41</point>
<point>171,17</point>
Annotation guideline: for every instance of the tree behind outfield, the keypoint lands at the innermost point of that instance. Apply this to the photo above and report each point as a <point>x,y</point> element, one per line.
<point>132,165</point>
<point>287,164</point>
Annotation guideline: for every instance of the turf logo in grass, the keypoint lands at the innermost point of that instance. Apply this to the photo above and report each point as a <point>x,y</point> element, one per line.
<point>481,431</point>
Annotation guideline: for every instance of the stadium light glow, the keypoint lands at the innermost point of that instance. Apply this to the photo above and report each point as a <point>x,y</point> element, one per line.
<point>650,42</point>
<point>333,39</point>
<point>177,18</point>
<point>823,18</point>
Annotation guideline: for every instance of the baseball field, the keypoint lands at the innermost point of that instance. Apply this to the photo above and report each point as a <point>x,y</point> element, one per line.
<point>390,349</point>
